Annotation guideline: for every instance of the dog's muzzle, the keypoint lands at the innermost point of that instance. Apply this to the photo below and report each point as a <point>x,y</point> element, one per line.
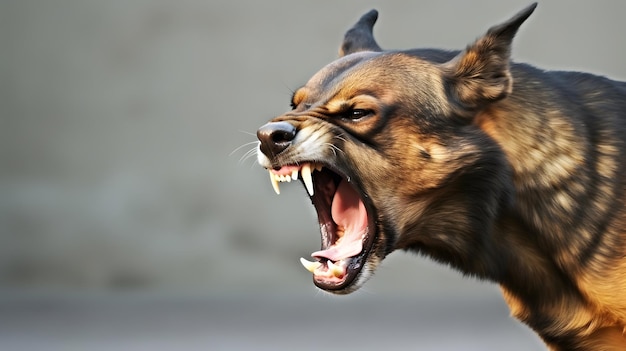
<point>346,220</point>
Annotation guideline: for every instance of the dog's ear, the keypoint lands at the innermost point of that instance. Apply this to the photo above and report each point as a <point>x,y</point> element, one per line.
<point>480,74</point>
<point>361,37</point>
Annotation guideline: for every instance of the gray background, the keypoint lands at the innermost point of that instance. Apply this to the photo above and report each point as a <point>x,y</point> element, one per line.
<point>132,214</point>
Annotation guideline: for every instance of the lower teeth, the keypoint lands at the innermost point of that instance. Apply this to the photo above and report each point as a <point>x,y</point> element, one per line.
<point>310,266</point>
<point>334,269</point>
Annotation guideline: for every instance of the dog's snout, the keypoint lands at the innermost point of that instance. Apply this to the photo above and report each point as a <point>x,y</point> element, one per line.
<point>275,137</point>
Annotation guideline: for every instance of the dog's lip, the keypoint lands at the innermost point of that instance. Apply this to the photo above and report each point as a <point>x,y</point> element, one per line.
<point>347,269</point>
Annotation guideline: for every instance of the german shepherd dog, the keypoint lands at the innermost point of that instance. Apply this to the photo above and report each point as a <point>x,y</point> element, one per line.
<point>501,170</point>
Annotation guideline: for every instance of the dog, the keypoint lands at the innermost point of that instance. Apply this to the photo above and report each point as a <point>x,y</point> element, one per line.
<point>503,171</point>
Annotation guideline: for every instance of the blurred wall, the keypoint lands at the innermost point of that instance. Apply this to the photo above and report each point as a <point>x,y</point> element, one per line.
<point>126,130</point>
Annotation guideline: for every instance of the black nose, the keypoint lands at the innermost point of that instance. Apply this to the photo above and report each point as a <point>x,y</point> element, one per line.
<point>275,137</point>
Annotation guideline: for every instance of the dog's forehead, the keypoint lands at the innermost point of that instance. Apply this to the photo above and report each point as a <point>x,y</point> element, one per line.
<point>325,77</point>
<point>389,75</point>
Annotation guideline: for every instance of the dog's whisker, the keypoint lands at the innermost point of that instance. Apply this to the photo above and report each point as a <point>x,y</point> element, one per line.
<point>247,155</point>
<point>242,146</point>
<point>248,133</point>
<point>340,137</point>
<point>334,148</point>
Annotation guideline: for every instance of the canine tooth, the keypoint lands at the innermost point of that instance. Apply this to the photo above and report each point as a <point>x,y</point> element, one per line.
<point>310,266</point>
<point>306,177</point>
<point>274,180</point>
<point>334,269</point>
<point>294,175</point>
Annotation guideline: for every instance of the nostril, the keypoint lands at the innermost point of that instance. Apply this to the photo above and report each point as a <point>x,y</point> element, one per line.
<point>276,137</point>
<point>281,136</point>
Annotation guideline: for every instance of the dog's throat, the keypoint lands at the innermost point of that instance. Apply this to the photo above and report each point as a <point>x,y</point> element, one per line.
<point>349,214</point>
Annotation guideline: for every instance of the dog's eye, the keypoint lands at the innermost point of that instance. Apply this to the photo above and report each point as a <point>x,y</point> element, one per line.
<point>357,113</point>
<point>295,106</point>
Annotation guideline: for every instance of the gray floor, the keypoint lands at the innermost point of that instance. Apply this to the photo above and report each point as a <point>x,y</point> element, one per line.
<point>139,322</point>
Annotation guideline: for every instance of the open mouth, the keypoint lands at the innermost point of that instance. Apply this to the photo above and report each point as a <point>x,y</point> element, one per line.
<point>345,219</point>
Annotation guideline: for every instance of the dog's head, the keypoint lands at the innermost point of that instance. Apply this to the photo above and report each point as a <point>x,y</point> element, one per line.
<point>386,146</point>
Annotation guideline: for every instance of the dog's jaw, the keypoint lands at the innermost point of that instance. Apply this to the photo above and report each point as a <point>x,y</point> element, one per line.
<point>346,218</point>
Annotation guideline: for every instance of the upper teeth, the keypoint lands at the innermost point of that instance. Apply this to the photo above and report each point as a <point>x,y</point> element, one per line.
<point>305,172</point>
<point>306,178</point>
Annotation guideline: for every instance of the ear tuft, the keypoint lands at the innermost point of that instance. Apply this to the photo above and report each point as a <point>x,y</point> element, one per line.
<point>361,36</point>
<point>480,74</point>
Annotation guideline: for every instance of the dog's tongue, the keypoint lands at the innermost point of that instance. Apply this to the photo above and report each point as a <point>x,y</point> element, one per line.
<point>348,212</point>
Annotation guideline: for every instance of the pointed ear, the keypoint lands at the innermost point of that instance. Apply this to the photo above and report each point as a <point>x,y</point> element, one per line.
<point>480,74</point>
<point>360,37</point>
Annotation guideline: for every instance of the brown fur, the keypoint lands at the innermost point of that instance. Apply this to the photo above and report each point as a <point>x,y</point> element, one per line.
<point>503,171</point>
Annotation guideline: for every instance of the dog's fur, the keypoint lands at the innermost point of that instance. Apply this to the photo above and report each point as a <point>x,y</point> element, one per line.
<point>504,171</point>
